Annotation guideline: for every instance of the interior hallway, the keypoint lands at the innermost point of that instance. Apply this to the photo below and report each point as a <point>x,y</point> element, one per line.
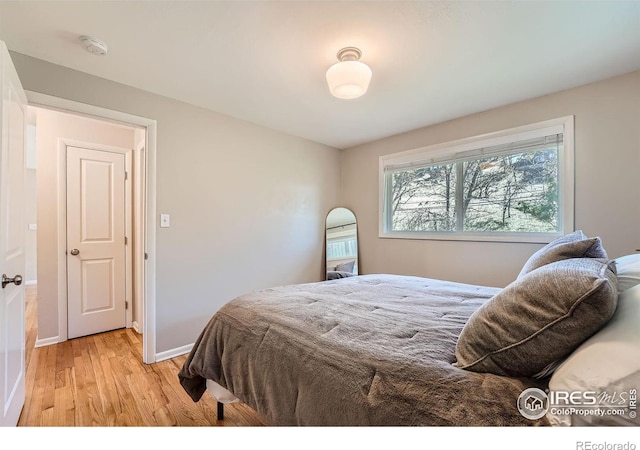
<point>100,380</point>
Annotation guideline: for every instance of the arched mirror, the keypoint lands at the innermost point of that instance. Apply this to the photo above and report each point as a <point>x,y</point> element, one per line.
<point>341,249</point>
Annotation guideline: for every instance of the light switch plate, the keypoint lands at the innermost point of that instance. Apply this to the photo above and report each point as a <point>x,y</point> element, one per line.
<point>33,226</point>
<point>165,221</point>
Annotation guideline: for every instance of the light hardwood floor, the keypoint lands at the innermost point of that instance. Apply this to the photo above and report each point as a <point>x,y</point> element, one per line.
<point>100,380</point>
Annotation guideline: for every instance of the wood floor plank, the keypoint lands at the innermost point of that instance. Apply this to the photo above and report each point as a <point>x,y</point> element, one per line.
<point>49,377</point>
<point>64,401</point>
<point>30,384</point>
<point>31,310</point>
<point>100,380</point>
<point>102,385</point>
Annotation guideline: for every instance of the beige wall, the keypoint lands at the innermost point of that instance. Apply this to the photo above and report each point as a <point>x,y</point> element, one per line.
<point>30,203</point>
<point>247,203</point>
<point>50,127</point>
<point>607,163</point>
<point>31,259</point>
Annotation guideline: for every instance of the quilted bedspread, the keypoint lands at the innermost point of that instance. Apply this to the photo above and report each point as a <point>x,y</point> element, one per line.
<point>369,350</point>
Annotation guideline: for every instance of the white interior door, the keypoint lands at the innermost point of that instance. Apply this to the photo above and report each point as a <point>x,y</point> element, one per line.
<point>12,243</point>
<point>96,257</point>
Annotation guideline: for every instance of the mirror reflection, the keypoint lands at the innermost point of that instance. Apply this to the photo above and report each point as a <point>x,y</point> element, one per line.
<point>341,244</point>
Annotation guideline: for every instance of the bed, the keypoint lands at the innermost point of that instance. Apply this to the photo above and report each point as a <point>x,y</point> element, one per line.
<point>368,350</point>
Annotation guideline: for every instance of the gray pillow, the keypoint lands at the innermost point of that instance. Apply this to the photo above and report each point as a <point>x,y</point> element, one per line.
<point>540,318</point>
<point>345,267</point>
<point>335,275</point>
<point>573,245</point>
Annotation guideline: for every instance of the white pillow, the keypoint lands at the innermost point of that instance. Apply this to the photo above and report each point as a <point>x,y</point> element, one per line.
<point>628,268</point>
<point>608,361</point>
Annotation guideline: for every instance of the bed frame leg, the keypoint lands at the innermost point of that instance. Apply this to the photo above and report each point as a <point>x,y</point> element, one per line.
<point>220,411</point>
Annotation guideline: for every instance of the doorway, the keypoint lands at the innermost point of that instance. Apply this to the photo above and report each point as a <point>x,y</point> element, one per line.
<point>130,142</point>
<point>99,226</point>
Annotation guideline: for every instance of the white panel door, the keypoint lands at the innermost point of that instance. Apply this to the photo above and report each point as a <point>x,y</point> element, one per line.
<point>12,243</point>
<point>95,241</point>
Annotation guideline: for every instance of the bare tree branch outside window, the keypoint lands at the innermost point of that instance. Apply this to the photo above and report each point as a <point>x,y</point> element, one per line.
<point>511,193</point>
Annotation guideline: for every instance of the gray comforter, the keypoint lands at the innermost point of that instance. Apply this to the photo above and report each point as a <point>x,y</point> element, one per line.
<point>366,350</point>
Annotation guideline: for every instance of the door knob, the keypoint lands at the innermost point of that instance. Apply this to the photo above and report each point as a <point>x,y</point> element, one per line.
<point>75,251</point>
<point>17,280</point>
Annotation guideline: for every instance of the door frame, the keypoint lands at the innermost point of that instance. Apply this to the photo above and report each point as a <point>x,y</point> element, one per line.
<point>133,233</point>
<point>146,234</point>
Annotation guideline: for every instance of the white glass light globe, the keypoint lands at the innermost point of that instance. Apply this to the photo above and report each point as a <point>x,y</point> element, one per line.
<point>348,79</point>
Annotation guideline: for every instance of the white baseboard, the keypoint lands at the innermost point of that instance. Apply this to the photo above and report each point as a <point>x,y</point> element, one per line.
<point>173,352</point>
<point>136,326</point>
<point>31,282</point>
<point>47,341</point>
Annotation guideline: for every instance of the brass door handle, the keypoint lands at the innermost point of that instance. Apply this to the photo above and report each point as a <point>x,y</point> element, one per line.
<point>75,251</point>
<point>17,280</point>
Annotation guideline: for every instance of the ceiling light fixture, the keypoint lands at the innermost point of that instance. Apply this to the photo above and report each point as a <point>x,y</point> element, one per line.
<point>349,78</point>
<point>94,46</point>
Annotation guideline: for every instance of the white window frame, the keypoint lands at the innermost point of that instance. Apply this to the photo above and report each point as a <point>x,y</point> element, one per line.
<point>566,180</point>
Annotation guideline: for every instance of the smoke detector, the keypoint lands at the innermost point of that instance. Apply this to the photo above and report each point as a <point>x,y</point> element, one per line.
<point>94,46</point>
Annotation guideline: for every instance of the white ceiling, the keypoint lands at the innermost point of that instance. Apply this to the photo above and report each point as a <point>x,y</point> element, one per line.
<point>265,61</point>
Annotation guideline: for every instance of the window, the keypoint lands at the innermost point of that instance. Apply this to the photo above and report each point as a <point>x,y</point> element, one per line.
<point>342,248</point>
<point>342,242</point>
<point>513,185</point>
